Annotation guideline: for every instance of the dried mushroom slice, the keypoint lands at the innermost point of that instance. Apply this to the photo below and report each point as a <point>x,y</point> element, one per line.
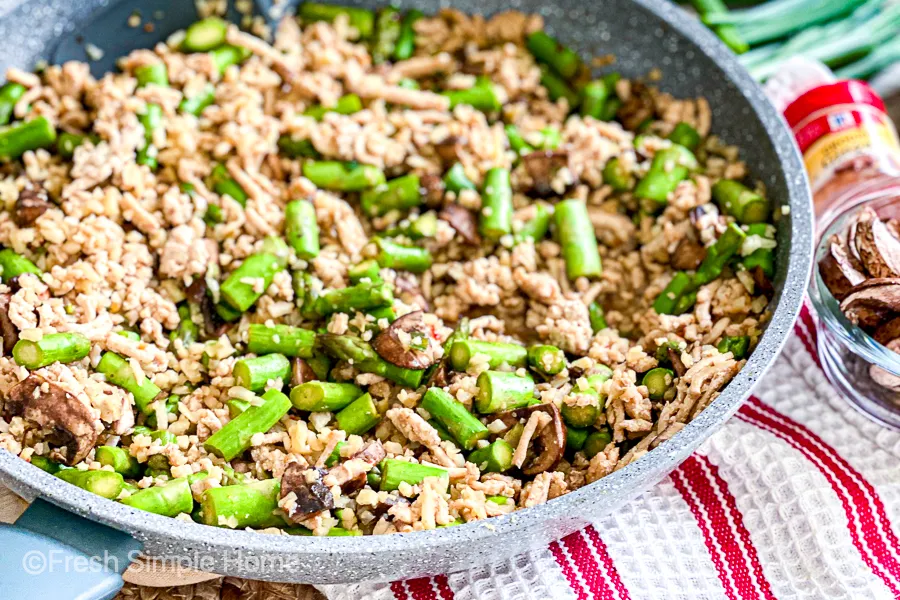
<point>463,222</point>
<point>311,496</point>
<point>7,329</point>
<point>32,203</point>
<point>50,407</point>
<point>688,255</point>
<point>872,301</point>
<point>551,442</point>
<point>450,148</point>
<point>301,372</point>
<point>878,249</point>
<point>677,364</point>
<point>883,377</point>
<point>371,454</point>
<point>432,189</point>
<point>407,343</point>
<point>542,167</point>
<point>888,331</point>
<point>837,270</point>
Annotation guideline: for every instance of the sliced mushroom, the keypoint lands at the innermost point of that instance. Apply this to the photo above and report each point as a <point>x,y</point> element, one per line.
<point>837,270</point>
<point>50,407</point>
<point>551,441</point>
<point>7,329</point>
<point>872,301</point>
<point>432,189</point>
<point>406,286</point>
<point>675,359</point>
<point>542,167</point>
<point>371,454</point>
<point>32,203</point>
<point>688,255</point>
<point>878,249</point>
<point>761,281</point>
<point>213,325</point>
<point>301,372</point>
<point>450,147</point>
<point>638,107</point>
<point>463,222</point>
<point>407,343</point>
<point>700,213</point>
<point>850,246</point>
<point>311,495</point>
<point>882,376</point>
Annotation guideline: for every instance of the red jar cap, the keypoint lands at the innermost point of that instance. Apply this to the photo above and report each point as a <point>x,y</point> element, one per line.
<point>832,94</point>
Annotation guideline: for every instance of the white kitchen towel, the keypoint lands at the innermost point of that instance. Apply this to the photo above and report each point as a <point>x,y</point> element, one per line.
<point>796,497</point>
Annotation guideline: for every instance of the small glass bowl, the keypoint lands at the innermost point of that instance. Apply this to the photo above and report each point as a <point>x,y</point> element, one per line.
<point>863,370</point>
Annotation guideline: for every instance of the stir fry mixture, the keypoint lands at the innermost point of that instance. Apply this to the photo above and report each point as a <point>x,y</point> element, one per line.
<point>385,272</point>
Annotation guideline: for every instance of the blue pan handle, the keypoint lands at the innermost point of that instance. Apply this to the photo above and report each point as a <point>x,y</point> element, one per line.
<point>52,554</point>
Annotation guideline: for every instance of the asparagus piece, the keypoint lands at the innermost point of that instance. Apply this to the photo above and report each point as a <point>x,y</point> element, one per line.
<point>322,396</point>
<point>406,42</point>
<point>667,300</point>
<point>576,437</point>
<point>255,373</point>
<point>718,255</point>
<point>686,301</point>
<point>223,184</point>
<point>596,441</point>
<point>368,269</point>
<point>558,88</point>
<point>742,203</point>
<point>301,228</point>
<point>465,428</point>
<point>226,55</point>
<point>277,247</point>
<point>670,167</point>
<point>361,19</point>
<point>359,416</point>
<point>392,255</point>
<point>685,135</point>
<point>239,506</point>
<point>13,265</point>
<point>546,360</point>
<point>364,358</point>
<point>593,98</point>
<point>727,33</point>
<point>576,236</point>
<point>395,471</point>
<point>658,382</point>
<point>738,345</point>
<point>170,499</point>
<point>481,96</point>
<point>584,414</point>
<point>187,331</point>
<point>387,32</point>
<point>516,142</point>
<point>283,339</point>
<point>616,176</point>
<point>335,455</point>
<point>597,317</point>
<point>103,483</point>
<point>297,148</point>
<point>45,464</point>
<point>498,353</point>
<point>118,372</point>
<point>496,457</point>
<point>360,297</point>
<point>67,142</point>
<point>19,138</point>
<point>501,391</point>
<point>119,459</point>
<point>610,109</point>
<point>164,438</point>
<point>234,438</point>
<point>51,348</point>
<point>763,258</point>
<point>563,60</point>
<point>195,104</point>
<point>497,208</point>
<point>154,73</point>
<point>342,176</point>
<point>346,105</point>
<point>236,406</point>
<point>9,96</point>
<point>536,229</point>
<point>455,179</point>
<point>260,268</point>
<point>204,35</point>
<point>400,194</point>
<point>171,408</point>
<point>333,532</point>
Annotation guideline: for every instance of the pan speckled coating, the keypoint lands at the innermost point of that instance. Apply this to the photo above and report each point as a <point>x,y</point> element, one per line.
<point>643,34</point>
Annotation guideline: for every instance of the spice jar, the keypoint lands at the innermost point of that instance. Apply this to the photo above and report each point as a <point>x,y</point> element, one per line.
<point>852,156</point>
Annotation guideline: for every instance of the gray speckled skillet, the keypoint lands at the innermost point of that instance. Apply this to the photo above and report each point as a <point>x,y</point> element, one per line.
<point>643,34</point>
